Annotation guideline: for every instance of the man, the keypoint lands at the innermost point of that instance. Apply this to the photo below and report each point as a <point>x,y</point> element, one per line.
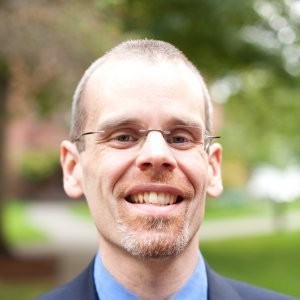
<point>141,153</point>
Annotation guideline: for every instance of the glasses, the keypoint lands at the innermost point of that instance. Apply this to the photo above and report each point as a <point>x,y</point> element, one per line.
<point>179,137</point>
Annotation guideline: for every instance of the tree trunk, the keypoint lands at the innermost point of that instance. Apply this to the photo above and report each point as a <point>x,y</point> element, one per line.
<point>4,74</point>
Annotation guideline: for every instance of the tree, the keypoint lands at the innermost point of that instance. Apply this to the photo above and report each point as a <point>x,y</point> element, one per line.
<point>45,47</point>
<point>3,115</point>
<point>248,52</point>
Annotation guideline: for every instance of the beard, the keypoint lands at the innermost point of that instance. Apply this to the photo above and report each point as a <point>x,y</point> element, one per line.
<point>149,237</point>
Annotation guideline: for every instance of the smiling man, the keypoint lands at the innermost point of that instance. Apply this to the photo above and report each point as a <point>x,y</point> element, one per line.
<point>142,154</point>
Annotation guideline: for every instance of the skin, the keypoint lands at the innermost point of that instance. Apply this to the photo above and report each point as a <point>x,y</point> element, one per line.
<point>154,95</point>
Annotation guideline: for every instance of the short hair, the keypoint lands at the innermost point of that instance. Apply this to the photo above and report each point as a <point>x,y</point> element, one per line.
<point>151,50</point>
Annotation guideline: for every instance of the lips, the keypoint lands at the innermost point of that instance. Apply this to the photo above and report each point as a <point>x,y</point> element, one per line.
<point>155,198</point>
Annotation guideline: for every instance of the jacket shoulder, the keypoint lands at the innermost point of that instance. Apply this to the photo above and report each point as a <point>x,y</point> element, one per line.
<point>250,292</point>
<point>220,287</point>
<point>82,287</point>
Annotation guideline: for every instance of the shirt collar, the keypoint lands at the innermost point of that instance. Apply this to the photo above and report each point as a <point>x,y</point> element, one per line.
<point>109,288</point>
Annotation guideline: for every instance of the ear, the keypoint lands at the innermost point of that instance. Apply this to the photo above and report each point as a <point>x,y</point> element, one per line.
<point>72,172</point>
<point>214,184</point>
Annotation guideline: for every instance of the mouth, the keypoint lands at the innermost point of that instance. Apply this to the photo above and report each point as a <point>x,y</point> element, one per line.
<point>154,198</point>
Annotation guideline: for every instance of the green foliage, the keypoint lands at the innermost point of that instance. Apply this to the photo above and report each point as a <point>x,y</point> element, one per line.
<point>235,203</point>
<point>232,38</point>
<point>48,99</point>
<point>208,32</point>
<point>81,210</point>
<point>3,72</point>
<point>268,261</point>
<point>17,227</point>
<point>23,290</point>
<point>223,38</point>
<point>37,166</point>
<point>262,122</point>
<point>52,44</point>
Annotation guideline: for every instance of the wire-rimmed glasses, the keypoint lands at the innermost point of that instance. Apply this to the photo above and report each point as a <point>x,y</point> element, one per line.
<point>181,137</point>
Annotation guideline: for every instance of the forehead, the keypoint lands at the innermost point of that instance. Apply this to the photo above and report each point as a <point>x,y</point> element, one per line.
<point>136,87</point>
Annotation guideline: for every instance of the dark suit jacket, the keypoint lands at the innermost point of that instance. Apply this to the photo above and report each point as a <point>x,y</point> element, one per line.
<point>219,288</point>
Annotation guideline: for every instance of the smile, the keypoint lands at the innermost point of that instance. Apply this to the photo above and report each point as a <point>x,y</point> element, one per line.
<point>154,198</point>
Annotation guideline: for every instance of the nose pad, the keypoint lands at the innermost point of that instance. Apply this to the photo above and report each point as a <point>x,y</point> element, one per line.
<point>155,153</point>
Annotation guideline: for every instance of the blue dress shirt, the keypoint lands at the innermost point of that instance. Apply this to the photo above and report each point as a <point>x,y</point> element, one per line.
<point>108,288</point>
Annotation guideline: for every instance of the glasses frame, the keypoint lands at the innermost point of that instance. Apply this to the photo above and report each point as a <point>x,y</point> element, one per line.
<point>208,138</point>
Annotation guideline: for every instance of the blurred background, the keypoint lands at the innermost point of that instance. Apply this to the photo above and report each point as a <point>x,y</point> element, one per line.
<point>249,54</point>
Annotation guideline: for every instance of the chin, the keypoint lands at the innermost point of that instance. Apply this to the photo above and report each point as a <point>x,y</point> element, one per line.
<point>155,238</point>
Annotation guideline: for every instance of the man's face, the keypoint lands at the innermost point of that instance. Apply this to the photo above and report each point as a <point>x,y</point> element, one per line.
<point>145,197</point>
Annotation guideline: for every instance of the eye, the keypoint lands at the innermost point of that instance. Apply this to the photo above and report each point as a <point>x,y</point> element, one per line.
<point>178,139</point>
<point>122,138</point>
<point>184,137</point>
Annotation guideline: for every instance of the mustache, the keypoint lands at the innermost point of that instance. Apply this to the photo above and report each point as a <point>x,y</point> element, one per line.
<point>160,177</point>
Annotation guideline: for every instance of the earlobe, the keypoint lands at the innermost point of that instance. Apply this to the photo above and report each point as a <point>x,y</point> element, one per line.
<point>72,173</point>
<point>214,185</point>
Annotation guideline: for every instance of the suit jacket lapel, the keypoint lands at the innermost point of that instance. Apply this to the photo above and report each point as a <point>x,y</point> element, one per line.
<point>219,288</point>
<point>83,287</point>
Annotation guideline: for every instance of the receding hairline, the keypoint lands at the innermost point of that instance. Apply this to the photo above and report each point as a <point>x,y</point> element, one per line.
<point>153,51</point>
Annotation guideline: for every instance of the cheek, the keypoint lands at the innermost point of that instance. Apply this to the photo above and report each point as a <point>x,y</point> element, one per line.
<point>115,166</point>
<point>195,168</point>
<point>99,177</point>
<point>103,172</point>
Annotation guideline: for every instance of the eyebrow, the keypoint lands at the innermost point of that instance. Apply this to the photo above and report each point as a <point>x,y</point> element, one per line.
<point>126,121</point>
<point>187,122</point>
<point>118,122</point>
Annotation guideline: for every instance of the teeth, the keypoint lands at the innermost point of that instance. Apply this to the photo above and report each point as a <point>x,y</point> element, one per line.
<point>146,197</point>
<point>140,198</point>
<point>172,199</point>
<point>161,198</point>
<point>167,199</point>
<point>154,198</point>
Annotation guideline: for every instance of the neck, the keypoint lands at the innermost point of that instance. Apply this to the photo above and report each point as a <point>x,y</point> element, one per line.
<point>150,278</point>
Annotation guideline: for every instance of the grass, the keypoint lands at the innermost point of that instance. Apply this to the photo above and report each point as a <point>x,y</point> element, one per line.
<point>271,261</point>
<point>216,209</point>
<point>80,209</point>
<point>23,290</point>
<point>17,226</point>
<point>295,205</point>
<point>234,204</point>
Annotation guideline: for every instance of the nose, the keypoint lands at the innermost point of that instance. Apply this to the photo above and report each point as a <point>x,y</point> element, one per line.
<point>155,153</point>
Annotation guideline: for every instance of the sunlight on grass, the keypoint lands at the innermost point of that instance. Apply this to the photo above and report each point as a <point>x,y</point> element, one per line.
<point>237,203</point>
<point>80,209</point>
<point>17,227</point>
<point>23,290</point>
<point>270,261</point>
